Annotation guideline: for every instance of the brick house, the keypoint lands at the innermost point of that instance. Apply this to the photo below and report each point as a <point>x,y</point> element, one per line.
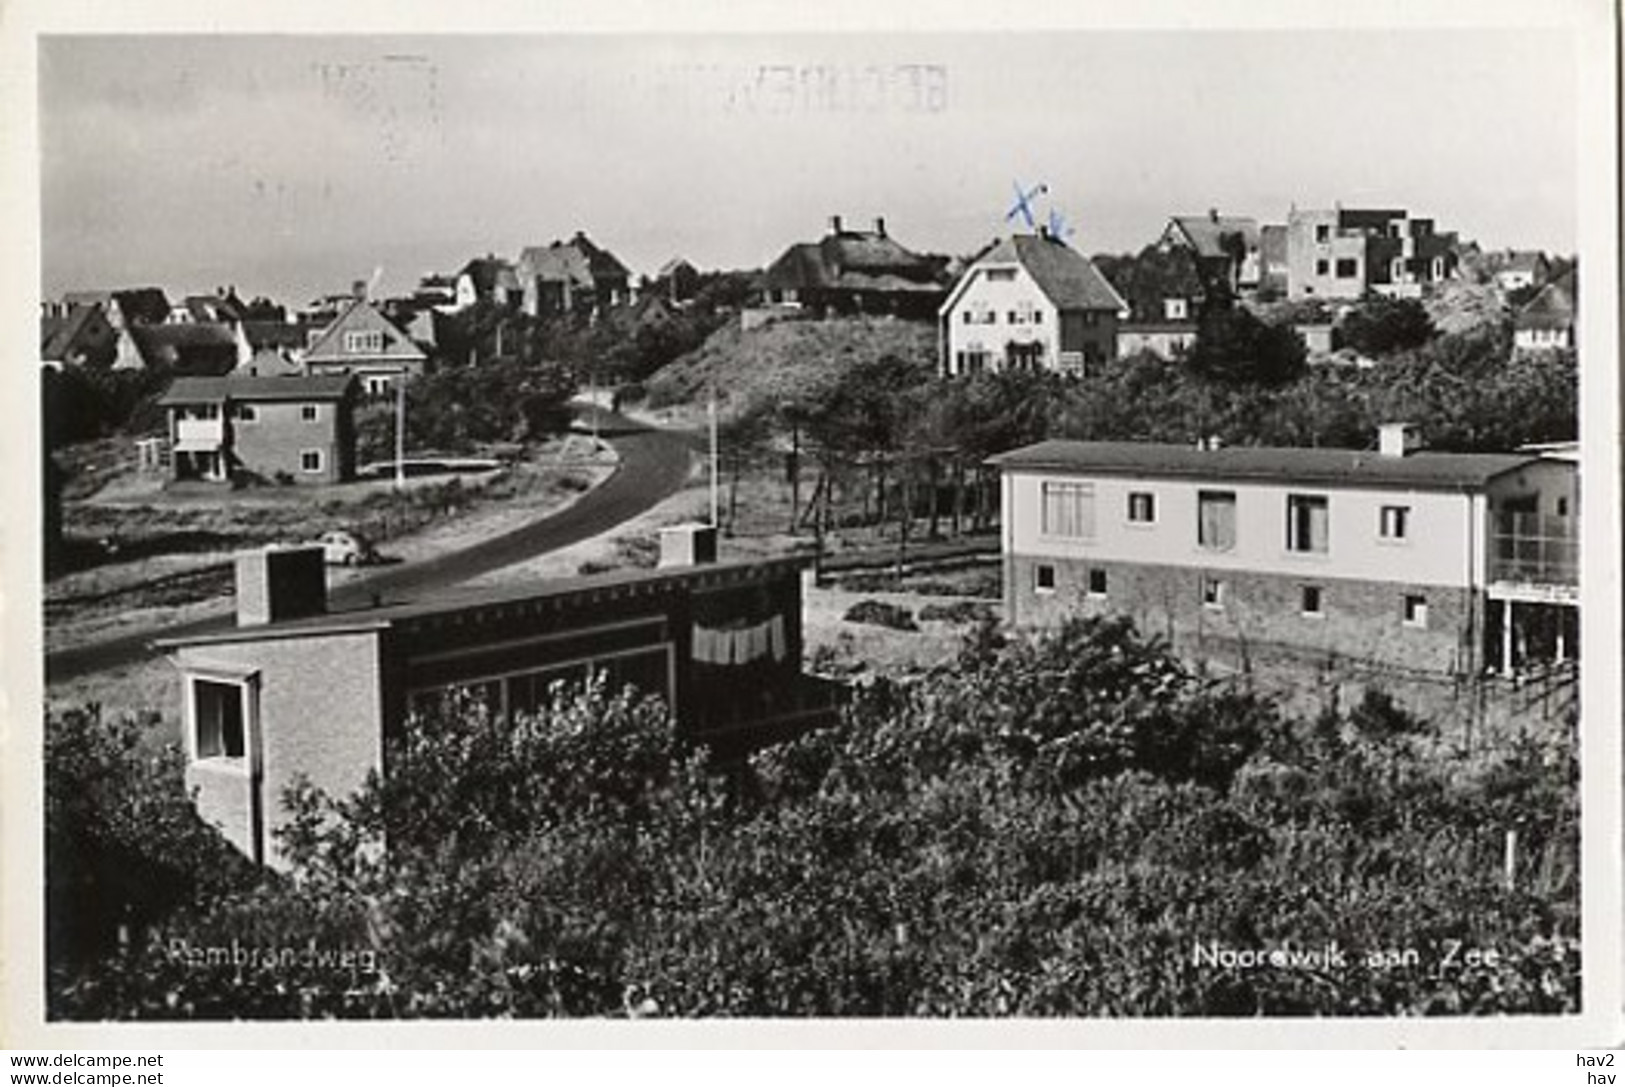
<point>363,342</point>
<point>1448,563</point>
<point>291,428</point>
<point>1030,302</point>
<point>298,689</point>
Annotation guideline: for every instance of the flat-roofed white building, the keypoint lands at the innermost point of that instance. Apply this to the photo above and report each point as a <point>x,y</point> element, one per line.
<point>1440,562</point>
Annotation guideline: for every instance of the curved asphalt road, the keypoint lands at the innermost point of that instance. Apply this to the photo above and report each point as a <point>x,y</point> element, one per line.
<point>654,464</point>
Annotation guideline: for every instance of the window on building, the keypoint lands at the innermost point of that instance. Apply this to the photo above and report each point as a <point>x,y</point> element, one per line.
<point>368,341</point>
<point>1438,268</point>
<point>1069,510</point>
<point>1216,520</point>
<point>1001,275</point>
<point>965,315</point>
<point>1307,522</point>
<point>1416,610</point>
<point>219,718</point>
<point>1213,593</point>
<point>1347,268</point>
<point>1322,267</point>
<point>378,385</point>
<point>310,460</point>
<point>246,413</point>
<point>1323,232</point>
<point>1396,270</point>
<point>1142,507</point>
<point>309,412</point>
<point>1097,582</point>
<point>1044,578</point>
<point>1562,505</point>
<point>1311,601</point>
<point>1394,523</point>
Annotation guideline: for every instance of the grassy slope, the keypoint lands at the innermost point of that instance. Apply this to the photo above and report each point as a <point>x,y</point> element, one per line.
<point>787,358</point>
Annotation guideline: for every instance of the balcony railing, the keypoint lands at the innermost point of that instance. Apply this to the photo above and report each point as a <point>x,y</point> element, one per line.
<point>1532,549</point>
<point>200,432</point>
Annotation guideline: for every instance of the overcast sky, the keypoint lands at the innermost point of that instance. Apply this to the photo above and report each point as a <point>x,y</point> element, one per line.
<point>291,165</point>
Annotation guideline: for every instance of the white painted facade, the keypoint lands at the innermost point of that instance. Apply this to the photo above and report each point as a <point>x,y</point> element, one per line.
<point>1001,305</point>
<point>1444,542</point>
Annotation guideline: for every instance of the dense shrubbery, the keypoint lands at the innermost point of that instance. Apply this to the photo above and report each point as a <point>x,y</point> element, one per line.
<point>459,409</point>
<point>1047,828</point>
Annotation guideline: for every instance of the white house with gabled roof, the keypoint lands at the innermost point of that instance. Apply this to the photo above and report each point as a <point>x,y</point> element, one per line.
<point>1030,302</point>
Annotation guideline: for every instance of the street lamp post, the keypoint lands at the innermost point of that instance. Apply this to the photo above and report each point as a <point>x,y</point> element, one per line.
<point>400,432</point>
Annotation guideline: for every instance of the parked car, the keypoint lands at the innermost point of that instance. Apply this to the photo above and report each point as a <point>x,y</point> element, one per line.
<point>342,547</point>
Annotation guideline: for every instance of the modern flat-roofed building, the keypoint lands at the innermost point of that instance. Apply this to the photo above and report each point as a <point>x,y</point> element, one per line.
<point>1348,252</point>
<point>1441,562</point>
<point>297,689</point>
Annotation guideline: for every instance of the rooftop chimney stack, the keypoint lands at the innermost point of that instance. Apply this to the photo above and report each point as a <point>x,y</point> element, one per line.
<point>358,288</point>
<point>277,583</point>
<point>834,224</point>
<point>1213,215</point>
<point>690,544</point>
<point>1398,439</point>
<point>880,225</point>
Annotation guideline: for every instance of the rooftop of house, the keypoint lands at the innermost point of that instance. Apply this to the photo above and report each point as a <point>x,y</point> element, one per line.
<point>1320,467</point>
<point>275,334</point>
<point>60,336</point>
<point>491,273</point>
<point>148,305</point>
<point>1068,278</point>
<point>578,261</point>
<point>243,387</point>
<point>1524,260</point>
<point>194,347</point>
<point>1553,306</point>
<point>847,259</point>
<point>467,607</point>
<point>1207,233</point>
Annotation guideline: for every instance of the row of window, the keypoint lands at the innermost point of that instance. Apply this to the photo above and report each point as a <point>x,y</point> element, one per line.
<point>1215,592</point>
<point>250,413</point>
<point>370,341</point>
<point>1026,314</point>
<point>1068,512</point>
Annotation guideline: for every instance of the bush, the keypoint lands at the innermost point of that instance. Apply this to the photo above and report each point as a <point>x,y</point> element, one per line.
<point>1382,326</point>
<point>880,614</point>
<point>960,611</point>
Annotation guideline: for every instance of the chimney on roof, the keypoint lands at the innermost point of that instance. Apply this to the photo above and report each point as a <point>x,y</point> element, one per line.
<point>358,288</point>
<point>880,225</point>
<point>276,583</point>
<point>1398,439</point>
<point>1043,231</point>
<point>690,544</point>
<point>1213,215</point>
<point>834,224</point>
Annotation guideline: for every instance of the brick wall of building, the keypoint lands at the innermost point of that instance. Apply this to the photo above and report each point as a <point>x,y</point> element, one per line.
<point>1359,619</point>
<point>320,714</point>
